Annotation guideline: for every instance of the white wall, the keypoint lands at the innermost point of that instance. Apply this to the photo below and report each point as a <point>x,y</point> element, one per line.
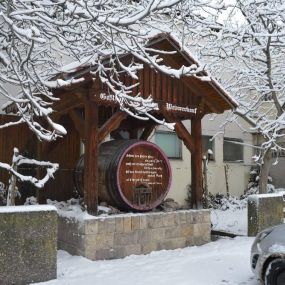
<point>238,172</point>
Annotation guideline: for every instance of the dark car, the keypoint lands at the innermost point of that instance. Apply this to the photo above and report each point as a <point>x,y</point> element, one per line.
<point>268,255</point>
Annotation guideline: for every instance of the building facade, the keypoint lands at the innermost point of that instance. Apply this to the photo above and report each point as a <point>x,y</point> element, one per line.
<point>229,158</point>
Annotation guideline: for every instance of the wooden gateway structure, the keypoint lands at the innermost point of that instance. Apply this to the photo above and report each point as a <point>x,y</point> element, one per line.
<point>89,113</point>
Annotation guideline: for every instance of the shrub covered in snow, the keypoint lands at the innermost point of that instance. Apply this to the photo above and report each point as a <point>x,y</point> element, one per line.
<point>253,183</point>
<point>31,201</point>
<point>222,202</point>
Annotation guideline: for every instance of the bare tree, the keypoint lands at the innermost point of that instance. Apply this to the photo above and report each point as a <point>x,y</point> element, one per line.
<point>246,51</point>
<point>43,42</point>
<point>38,38</point>
<point>18,160</point>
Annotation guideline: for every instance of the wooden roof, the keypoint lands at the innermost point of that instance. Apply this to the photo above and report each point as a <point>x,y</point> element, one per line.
<point>183,98</point>
<point>216,98</point>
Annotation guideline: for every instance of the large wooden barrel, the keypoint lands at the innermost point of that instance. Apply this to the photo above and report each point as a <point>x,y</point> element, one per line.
<point>133,175</point>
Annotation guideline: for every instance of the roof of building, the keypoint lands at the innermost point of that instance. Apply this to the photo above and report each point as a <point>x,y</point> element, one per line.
<point>202,84</point>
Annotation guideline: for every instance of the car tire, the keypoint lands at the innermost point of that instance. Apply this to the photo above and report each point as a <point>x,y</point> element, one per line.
<point>275,272</point>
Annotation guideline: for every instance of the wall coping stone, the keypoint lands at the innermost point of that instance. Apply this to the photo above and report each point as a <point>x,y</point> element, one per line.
<point>84,216</point>
<point>27,208</point>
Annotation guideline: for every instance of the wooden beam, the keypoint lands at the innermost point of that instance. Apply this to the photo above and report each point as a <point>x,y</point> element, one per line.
<point>147,131</point>
<point>112,124</point>
<point>185,136</point>
<point>181,132</point>
<point>196,164</point>
<point>116,135</point>
<point>78,122</point>
<point>193,86</point>
<point>91,157</point>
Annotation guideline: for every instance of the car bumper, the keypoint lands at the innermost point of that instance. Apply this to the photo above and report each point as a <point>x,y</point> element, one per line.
<point>256,260</point>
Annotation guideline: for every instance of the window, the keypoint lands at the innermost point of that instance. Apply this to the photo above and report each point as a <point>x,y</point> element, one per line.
<point>208,147</point>
<point>233,150</point>
<point>169,143</point>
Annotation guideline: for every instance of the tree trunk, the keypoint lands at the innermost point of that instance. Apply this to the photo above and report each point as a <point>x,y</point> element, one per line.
<point>264,172</point>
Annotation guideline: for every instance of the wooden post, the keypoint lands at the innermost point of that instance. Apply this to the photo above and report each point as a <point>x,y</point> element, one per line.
<point>91,157</point>
<point>196,164</point>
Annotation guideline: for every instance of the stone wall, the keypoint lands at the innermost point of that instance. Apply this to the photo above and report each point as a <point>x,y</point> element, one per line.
<point>264,210</point>
<point>28,249</point>
<point>122,235</point>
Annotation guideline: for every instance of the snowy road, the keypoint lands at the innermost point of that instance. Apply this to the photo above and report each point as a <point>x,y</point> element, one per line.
<point>225,261</point>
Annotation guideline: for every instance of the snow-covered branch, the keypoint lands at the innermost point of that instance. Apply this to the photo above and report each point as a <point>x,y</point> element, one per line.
<point>246,51</point>
<point>39,40</point>
<point>18,160</point>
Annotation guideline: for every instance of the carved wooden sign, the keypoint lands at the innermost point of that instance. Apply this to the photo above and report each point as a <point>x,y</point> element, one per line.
<point>109,99</point>
<point>144,174</point>
<point>176,108</point>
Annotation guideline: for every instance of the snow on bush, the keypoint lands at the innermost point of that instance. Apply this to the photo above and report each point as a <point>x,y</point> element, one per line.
<point>222,202</point>
<point>31,201</point>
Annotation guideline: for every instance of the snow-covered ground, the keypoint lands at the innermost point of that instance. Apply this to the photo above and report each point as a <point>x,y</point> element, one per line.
<point>231,221</point>
<point>234,219</point>
<point>225,261</point>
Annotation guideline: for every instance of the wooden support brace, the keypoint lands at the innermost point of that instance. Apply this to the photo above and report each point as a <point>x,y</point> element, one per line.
<point>185,136</point>
<point>116,135</point>
<point>112,124</point>
<point>181,132</point>
<point>147,132</point>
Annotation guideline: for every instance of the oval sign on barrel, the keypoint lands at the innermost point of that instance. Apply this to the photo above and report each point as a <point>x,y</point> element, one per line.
<point>133,174</point>
<point>143,175</point>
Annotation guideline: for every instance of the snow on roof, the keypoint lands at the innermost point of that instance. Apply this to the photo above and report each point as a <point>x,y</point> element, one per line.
<point>78,66</point>
<point>84,65</point>
<point>188,54</point>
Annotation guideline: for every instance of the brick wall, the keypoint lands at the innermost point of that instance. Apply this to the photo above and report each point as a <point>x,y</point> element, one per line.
<point>122,235</point>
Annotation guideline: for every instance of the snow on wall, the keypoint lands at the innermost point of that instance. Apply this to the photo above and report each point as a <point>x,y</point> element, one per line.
<point>30,208</point>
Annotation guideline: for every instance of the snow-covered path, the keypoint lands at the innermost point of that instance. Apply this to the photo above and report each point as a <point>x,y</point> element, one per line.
<point>225,261</point>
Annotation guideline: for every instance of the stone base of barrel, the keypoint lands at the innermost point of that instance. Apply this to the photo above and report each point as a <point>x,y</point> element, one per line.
<point>118,236</point>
